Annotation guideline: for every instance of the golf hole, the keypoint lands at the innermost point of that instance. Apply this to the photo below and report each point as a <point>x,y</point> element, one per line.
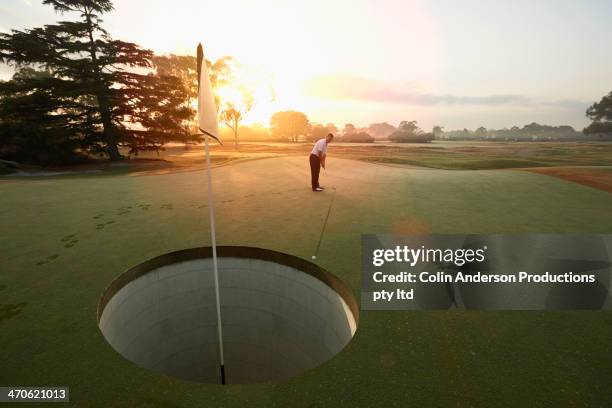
<point>281,315</point>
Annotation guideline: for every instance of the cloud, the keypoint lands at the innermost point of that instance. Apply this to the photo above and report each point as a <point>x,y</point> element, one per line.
<point>344,87</point>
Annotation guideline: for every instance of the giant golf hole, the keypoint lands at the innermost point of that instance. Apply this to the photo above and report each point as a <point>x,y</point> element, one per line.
<point>281,315</point>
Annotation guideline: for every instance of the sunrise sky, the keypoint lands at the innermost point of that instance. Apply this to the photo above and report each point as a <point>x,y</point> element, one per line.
<point>453,63</point>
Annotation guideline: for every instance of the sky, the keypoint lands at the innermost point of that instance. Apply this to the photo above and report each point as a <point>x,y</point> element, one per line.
<point>456,64</point>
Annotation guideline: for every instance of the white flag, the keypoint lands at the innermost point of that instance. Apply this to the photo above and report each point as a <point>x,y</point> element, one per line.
<point>207,109</point>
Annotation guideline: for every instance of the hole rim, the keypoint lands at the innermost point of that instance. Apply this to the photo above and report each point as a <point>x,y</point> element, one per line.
<point>224,251</point>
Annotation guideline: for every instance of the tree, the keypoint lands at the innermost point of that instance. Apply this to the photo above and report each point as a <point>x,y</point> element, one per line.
<point>232,113</point>
<point>185,68</point>
<point>438,132</point>
<point>381,130</point>
<point>332,128</point>
<point>85,92</point>
<point>27,131</point>
<point>481,132</point>
<point>255,132</point>
<point>349,129</point>
<point>233,101</point>
<point>601,115</point>
<point>409,132</point>
<point>318,131</point>
<point>410,127</point>
<point>358,137</point>
<point>289,124</point>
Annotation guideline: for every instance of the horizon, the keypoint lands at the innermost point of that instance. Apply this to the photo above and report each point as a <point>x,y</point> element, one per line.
<point>365,63</point>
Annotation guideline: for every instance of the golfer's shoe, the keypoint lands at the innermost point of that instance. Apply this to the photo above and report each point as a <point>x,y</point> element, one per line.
<point>322,188</point>
<point>318,190</point>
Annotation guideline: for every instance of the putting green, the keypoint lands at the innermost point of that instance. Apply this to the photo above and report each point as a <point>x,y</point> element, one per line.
<point>64,239</point>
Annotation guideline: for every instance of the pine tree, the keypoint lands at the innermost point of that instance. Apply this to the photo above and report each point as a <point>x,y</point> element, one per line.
<point>84,89</point>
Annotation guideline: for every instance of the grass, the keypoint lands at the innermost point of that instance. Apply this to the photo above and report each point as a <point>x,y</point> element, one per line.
<point>64,239</point>
<point>460,155</point>
<point>444,155</point>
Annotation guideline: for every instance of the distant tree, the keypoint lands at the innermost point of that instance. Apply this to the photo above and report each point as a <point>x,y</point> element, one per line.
<point>438,132</point>
<point>532,131</point>
<point>358,137</point>
<point>409,132</point>
<point>87,92</point>
<point>566,129</point>
<point>232,113</point>
<point>185,68</point>
<point>332,128</point>
<point>349,129</point>
<point>534,127</point>
<point>410,126</point>
<point>601,115</point>
<point>381,130</point>
<point>481,132</point>
<point>255,132</point>
<point>318,131</point>
<point>289,124</point>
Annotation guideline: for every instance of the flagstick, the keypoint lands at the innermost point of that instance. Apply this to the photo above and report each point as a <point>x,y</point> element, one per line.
<point>207,101</point>
<point>213,237</point>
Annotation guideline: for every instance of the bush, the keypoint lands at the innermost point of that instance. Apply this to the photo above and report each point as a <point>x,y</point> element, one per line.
<point>360,137</point>
<point>32,144</point>
<point>408,137</point>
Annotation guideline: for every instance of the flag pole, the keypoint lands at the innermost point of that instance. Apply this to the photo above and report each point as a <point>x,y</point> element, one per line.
<point>213,237</point>
<point>213,233</point>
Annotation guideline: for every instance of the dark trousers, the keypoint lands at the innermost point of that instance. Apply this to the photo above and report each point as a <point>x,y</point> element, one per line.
<point>315,169</point>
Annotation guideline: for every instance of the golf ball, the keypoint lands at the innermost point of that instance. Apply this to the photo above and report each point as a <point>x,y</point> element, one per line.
<point>314,257</point>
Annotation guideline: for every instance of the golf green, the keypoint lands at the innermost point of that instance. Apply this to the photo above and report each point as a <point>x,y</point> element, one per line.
<point>63,240</point>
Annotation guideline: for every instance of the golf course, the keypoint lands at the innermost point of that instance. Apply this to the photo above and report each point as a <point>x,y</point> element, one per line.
<point>64,238</point>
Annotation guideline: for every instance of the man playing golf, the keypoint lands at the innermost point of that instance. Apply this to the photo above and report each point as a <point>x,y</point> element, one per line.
<point>317,160</point>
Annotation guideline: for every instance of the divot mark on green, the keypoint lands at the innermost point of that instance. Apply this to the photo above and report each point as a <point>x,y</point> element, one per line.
<point>8,311</point>
<point>124,210</point>
<point>50,258</point>
<point>71,243</point>
<point>68,238</point>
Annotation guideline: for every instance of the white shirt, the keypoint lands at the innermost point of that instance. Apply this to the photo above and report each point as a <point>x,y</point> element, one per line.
<point>320,147</point>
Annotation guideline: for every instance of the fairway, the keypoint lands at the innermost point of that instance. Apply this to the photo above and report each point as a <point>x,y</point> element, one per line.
<point>64,239</point>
